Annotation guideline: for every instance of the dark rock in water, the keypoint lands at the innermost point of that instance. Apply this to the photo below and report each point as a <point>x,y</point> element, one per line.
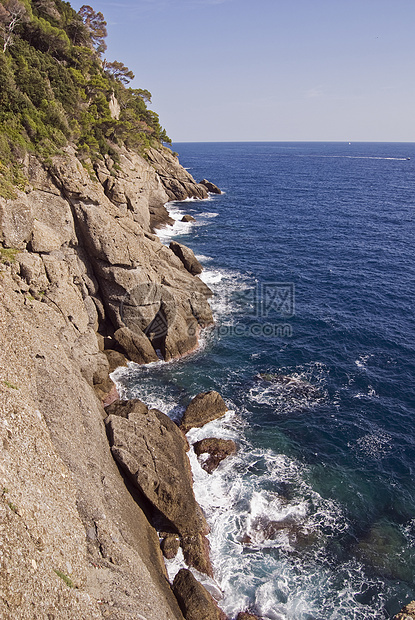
<point>152,451</point>
<point>211,187</point>
<point>170,545</point>
<point>383,548</point>
<point>299,537</point>
<point>188,218</point>
<point>407,613</point>
<point>296,387</point>
<point>194,600</point>
<point>218,449</point>
<point>244,615</point>
<point>136,345</point>
<point>204,408</point>
<point>187,257</point>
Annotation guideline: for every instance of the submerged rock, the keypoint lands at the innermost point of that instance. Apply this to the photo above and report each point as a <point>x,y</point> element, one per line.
<point>293,385</point>
<point>152,451</point>
<point>204,408</point>
<point>194,600</point>
<point>218,449</point>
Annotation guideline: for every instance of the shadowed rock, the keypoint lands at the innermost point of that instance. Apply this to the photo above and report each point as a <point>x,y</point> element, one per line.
<point>218,449</point>
<point>170,545</point>
<point>194,600</point>
<point>204,408</point>
<point>136,345</point>
<point>244,615</point>
<point>188,218</point>
<point>152,451</point>
<point>187,257</point>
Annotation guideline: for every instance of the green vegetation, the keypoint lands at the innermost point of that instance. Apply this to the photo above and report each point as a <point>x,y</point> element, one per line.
<point>8,255</point>
<point>64,577</point>
<point>10,385</point>
<point>56,88</point>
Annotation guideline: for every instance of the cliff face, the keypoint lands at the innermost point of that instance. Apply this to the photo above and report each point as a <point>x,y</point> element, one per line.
<point>80,268</point>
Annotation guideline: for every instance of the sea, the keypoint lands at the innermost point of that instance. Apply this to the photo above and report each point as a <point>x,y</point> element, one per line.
<point>309,252</point>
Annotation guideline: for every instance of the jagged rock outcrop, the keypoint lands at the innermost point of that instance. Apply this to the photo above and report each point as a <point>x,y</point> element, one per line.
<point>177,182</point>
<point>204,408</point>
<point>186,255</point>
<point>151,449</point>
<point>217,449</point>
<point>195,602</point>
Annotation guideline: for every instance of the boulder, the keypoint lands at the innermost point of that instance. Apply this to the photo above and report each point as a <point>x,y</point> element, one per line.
<point>187,257</point>
<point>136,345</point>
<point>170,545</point>
<point>188,218</point>
<point>211,187</point>
<point>150,448</point>
<point>245,615</point>
<point>218,449</point>
<point>204,408</point>
<point>194,600</point>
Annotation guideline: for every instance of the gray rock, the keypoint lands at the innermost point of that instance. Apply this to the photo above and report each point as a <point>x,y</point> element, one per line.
<point>218,450</point>
<point>136,345</point>
<point>211,187</point>
<point>204,408</point>
<point>152,451</point>
<point>195,601</point>
<point>187,257</point>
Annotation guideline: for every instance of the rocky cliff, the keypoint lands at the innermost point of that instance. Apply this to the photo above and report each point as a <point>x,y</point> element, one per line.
<point>82,275</point>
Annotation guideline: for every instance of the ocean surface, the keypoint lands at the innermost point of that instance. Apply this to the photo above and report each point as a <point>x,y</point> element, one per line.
<point>310,255</point>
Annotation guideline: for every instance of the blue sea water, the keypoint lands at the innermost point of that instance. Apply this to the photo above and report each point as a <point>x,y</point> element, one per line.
<point>309,252</point>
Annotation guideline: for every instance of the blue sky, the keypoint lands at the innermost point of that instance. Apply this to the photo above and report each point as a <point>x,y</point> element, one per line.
<point>240,70</point>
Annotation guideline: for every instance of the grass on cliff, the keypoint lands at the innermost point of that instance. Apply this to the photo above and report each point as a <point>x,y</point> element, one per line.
<point>55,89</point>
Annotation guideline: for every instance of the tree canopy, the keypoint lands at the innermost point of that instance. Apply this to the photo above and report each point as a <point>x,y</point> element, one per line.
<point>56,89</point>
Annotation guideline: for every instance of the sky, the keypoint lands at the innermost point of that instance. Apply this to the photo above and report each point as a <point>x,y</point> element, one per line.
<point>270,70</point>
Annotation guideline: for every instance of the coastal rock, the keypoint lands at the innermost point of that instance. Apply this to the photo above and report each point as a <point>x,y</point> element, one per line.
<point>152,451</point>
<point>177,182</point>
<point>115,359</point>
<point>204,408</point>
<point>244,615</point>
<point>136,345</point>
<point>188,218</point>
<point>67,516</point>
<point>407,613</point>
<point>170,545</point>
<point>211,187</point>
<point>195,601</point>
<point>187,257</point>
<point>218,449</point>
